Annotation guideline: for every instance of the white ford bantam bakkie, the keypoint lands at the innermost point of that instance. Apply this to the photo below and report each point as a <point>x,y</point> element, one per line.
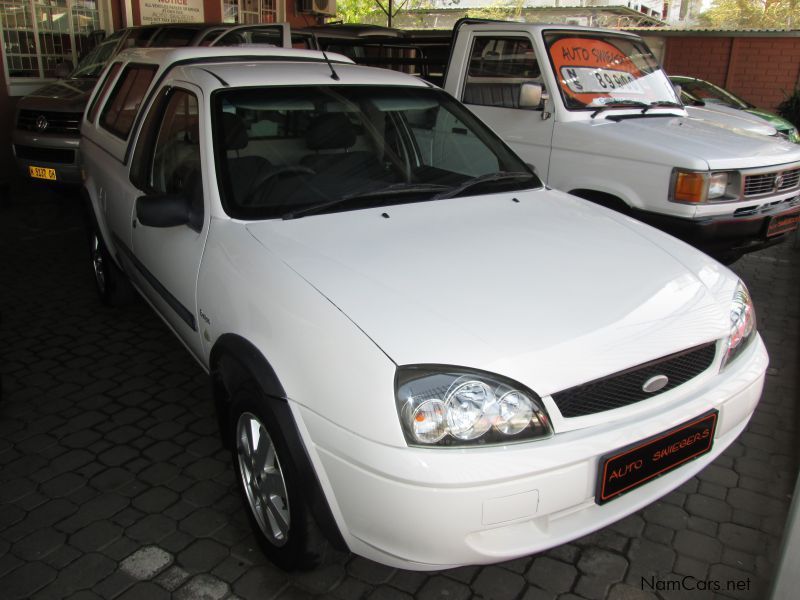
<point>417,351</point>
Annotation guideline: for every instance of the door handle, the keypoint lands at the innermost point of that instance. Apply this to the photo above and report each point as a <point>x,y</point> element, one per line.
<point>133,223</point>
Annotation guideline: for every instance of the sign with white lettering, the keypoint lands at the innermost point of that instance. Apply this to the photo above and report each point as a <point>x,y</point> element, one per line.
<point>171,11</point>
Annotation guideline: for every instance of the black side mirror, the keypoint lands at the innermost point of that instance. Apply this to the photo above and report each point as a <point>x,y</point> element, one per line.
<point>164,210</point>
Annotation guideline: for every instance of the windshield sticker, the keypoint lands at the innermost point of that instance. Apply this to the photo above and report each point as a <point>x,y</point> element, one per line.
<point>590,70</point>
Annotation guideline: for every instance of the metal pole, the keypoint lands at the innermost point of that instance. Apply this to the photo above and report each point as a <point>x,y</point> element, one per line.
<point>390,13</point>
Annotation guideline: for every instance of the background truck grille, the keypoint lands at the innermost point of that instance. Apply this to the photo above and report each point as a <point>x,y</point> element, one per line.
<point>50,155</point>
<point>625,387</point>
<point>765,183</point>
<point>57,122</point>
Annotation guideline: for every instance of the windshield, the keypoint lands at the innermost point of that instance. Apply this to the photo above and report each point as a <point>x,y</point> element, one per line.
<point>92,64</point>
<point>707,92</point>
<point>594,70</point>
<point>288,152</point>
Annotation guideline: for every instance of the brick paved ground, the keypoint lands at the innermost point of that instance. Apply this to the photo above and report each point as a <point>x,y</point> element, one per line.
<point>113,483</point>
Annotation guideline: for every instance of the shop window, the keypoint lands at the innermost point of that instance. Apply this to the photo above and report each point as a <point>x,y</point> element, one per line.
<point>250,11</point>
<point>37,35</point>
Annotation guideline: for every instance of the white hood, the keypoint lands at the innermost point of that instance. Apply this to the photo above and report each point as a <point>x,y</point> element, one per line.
<point>675,140</point>
<point>526,289</point>
<point>731,118</point>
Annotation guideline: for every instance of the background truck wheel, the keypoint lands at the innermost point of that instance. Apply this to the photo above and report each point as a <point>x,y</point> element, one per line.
<point>270,484</point>
<point>113,288</point>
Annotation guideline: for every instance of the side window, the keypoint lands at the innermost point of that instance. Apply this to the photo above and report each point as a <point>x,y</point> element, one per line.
<point>497,69</point>
<point>175,166</point>
<point>123,103</point>
<point>112,73</point>
<point>445,143</point>
<point>173,37</point>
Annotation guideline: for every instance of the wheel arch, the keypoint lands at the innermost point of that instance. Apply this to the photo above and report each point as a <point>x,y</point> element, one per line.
<point>606,199</point>
<point>234,359</point>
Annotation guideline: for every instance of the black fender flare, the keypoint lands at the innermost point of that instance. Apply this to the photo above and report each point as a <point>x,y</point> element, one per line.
<point>232,359</point>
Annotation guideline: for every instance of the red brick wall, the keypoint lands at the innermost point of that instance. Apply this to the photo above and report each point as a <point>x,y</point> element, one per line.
<point>762,70</point>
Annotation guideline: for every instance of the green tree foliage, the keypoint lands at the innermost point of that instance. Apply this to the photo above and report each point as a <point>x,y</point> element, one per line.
<point>374,11</point>
<point>753,14</point>
<point>359,11</point>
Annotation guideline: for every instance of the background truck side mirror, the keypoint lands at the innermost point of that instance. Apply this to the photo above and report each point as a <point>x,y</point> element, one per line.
<point>531,96</point>
<point>678,89</point>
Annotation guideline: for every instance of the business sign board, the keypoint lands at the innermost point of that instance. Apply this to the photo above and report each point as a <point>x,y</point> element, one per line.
<point>171,11</point>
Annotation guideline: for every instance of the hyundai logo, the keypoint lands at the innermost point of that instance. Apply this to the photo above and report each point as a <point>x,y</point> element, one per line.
<point>41,123</point>
<point>655,383</point>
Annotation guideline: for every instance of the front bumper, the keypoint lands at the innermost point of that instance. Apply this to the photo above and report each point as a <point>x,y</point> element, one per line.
<point>744,230</point>
<point>58,152</point>
<point>428,509</point>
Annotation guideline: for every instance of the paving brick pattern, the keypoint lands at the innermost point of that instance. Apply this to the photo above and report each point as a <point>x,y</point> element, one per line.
<point>113,483</point>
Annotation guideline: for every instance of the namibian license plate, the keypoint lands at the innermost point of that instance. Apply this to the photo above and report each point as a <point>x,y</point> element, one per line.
<point>42,173</point>
<point>783,223</point>
<point>630,467</point>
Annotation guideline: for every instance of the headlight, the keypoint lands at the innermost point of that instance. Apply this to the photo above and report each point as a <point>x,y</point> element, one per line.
<point>450,406</point>
<point>701,186</point>
<point>743,324</point>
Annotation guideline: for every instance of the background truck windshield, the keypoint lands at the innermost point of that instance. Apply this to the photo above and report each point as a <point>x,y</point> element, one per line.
<point>595,70</point>
<point>309,149</point>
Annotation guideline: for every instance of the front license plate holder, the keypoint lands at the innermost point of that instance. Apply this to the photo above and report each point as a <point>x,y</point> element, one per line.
<point>42,173</point>
<point>627,468</point>
<point>780,224</point>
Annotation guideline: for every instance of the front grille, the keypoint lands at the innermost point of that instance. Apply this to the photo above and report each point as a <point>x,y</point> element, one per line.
<point>765,183</point>
<point>625,387</point>
<point>49,155</point>
<point>57,122</point>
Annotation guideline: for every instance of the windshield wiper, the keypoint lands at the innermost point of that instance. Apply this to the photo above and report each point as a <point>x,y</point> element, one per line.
<point>662,104</point>
<point>619,104</point>
<point>396,189</point>
<point>488,177</point>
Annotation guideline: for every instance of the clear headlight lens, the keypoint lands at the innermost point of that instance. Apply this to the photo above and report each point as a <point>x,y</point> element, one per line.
<point>449,406</point>
<point>717,185</point>
<point>701,186</point>
<point>743,323</point>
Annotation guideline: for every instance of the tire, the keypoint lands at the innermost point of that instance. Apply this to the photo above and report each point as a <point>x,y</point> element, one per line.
<point>269,483</point>
<point>113,288</point>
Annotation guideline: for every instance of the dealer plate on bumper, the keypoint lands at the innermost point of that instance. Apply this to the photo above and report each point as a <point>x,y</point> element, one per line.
<point>42,173</point>
<point>627,468</point>
<point>783,223</point>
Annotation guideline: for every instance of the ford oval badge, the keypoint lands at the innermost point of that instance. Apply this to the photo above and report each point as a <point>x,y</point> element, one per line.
<point>655,383</point>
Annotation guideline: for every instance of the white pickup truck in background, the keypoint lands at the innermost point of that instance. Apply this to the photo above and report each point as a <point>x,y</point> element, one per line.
<point>595,114</point>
